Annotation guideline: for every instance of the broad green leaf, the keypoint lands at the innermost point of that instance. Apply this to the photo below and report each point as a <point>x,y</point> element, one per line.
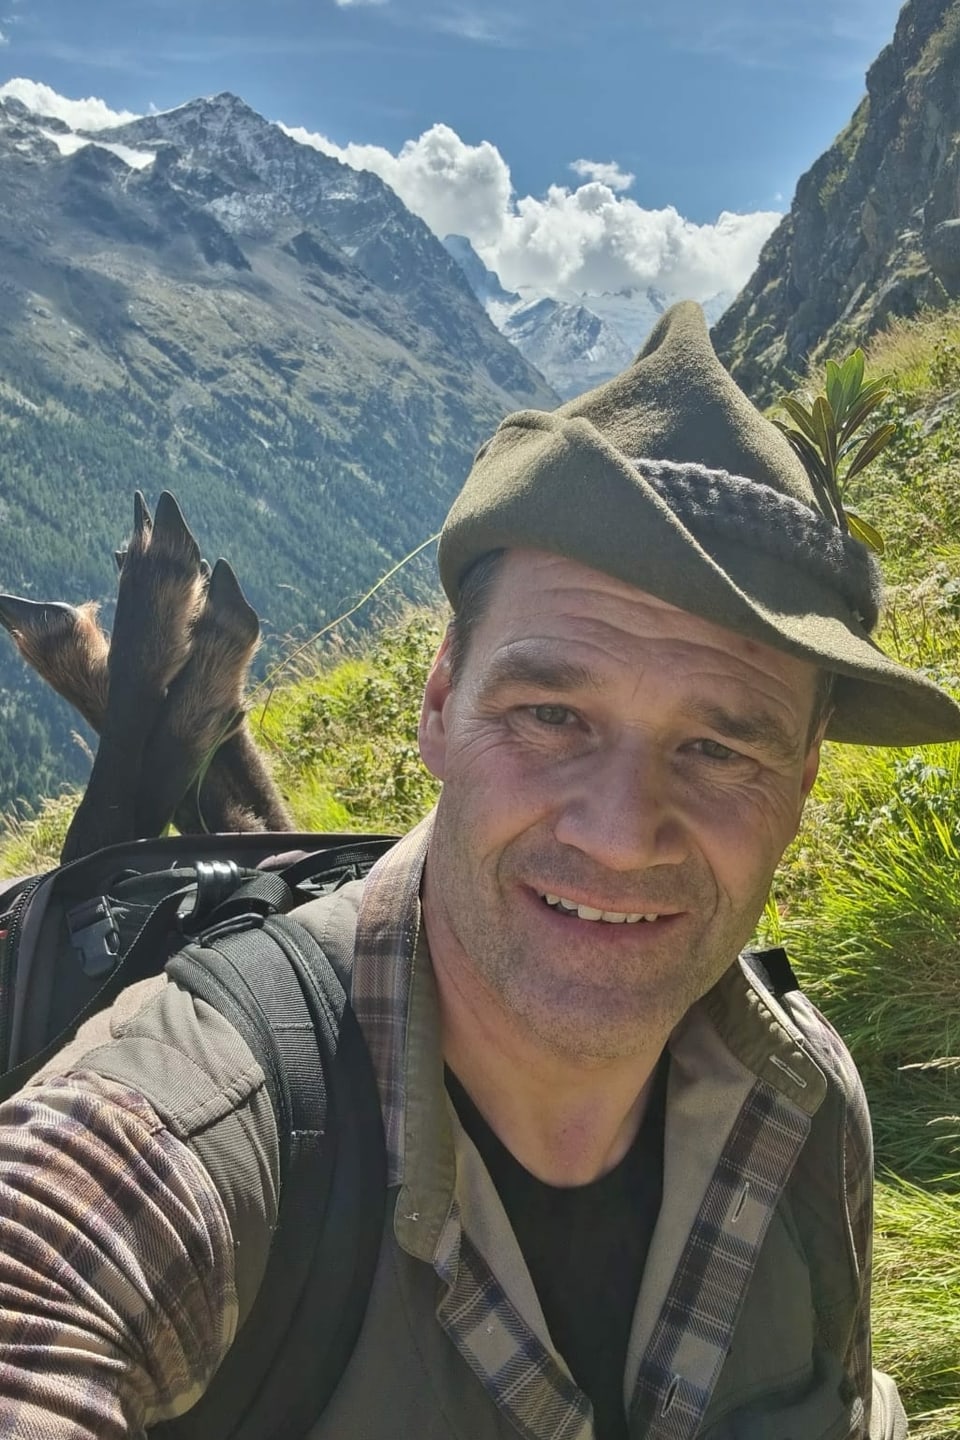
<point>805,448</point>
<point>828,431</point>
<point>851,373</point>
<point>862,530</point>
<point>871,448</point>
<point>826,427</point>
<point>866,403</point>
<point>835,390</point>
<point>800,416</point>
<point>875,385</point>
<point>813,464</point>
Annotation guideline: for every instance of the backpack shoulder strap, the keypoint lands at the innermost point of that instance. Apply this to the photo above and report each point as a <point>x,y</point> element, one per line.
<point>276,986</point>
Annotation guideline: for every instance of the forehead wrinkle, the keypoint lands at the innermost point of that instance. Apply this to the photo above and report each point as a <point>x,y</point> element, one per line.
<point>534,664</point>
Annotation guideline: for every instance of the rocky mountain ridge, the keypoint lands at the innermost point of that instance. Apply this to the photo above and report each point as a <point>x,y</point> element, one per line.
<point>874,227</point>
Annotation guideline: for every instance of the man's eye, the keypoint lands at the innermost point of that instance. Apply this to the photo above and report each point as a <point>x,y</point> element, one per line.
<point>715,750</point>
<point>551,714</point>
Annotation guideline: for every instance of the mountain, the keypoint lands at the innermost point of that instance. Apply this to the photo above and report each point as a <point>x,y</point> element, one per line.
<point>569,344</point>
<point>873,230</point>
<point>484,283</point>
<point>576,341</point>
<point>196,301</point>
<point>633,312</point>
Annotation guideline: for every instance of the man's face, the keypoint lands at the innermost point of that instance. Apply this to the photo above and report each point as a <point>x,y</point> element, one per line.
<point>605,756</point>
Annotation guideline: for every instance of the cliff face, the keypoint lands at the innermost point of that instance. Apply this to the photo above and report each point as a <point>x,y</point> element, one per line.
<point>874,228</point>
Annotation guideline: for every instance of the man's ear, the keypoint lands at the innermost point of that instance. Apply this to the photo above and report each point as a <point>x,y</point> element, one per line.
<point>811,765</point>
<point>433,732</point>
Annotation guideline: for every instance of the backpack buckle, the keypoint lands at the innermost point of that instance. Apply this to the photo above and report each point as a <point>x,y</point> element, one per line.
<point>94,932</point>
<point>216,881</point>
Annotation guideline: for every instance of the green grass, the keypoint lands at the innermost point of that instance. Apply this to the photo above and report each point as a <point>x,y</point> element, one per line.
<point>30,845</point>
<point>868,900</point>
<point>345,737</point>
<point>916,1318</point>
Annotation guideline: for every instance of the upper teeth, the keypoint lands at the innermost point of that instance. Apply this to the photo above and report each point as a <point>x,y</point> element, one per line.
<point>587,912</point>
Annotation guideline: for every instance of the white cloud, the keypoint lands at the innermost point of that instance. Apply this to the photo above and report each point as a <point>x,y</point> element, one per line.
<point>88,114</point>
<point>4,39</point>
<point>572,240</point>
<point>607,172</point>
<point>70,144</point>
<point>453,186</point>
<point>346,4</point>
<point>586,238</point>
<point>493,29</point>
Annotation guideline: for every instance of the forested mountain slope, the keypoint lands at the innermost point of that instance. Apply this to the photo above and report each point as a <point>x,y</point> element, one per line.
<point>243,320</point>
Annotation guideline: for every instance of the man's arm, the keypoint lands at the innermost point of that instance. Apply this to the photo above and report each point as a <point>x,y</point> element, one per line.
<point>117,1292</point>
<point>139,1182</point>
<point>885,1418</point>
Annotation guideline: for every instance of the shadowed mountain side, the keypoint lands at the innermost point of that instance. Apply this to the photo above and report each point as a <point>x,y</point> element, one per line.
<point>873,230</point>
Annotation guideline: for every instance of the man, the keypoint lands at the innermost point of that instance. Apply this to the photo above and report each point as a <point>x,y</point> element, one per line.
<point>630,1184</point>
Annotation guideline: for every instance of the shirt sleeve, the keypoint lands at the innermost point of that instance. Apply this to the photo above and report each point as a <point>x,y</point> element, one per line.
<point>117,1296</point>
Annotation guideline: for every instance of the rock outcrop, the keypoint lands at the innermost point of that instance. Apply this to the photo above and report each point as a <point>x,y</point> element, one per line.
<point>874,228</point>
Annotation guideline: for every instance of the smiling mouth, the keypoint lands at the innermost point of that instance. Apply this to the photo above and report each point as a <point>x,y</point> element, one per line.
<point>587,912</point>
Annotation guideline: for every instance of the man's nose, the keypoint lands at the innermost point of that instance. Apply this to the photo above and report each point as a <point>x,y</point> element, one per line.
<point>623,811</point>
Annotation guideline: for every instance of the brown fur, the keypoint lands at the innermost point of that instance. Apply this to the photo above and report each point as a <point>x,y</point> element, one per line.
<point>66,647</point>
<point>181,652</point>
<point>203,710</point>
<point>161,588</point>
<point>238,792</point>
<point>161,593</point>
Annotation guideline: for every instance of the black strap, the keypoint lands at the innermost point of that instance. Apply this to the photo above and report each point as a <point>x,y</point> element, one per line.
<point>223,892</point>
<point>336,866</point>
<point>276,985</point>
<point>140,961</point>
<point>261,894</point>
<point>773,969</point>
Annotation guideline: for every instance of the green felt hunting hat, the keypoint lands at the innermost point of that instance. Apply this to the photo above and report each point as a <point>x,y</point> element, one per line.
<point>670,479</point>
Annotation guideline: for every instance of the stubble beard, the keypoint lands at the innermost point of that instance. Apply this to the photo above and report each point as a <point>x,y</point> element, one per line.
<point>573,1013</point>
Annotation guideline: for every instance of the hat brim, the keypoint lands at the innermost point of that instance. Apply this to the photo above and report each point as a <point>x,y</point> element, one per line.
<point>539,469</point>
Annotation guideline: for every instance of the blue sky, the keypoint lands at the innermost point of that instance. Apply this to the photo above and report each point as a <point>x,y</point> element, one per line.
<point>711,106</point>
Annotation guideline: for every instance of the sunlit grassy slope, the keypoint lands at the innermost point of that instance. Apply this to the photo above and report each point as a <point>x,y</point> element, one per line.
<point>869,900</point>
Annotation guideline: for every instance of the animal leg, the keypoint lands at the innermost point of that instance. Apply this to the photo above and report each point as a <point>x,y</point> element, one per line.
<point>66,647</point>
<point>160,594</point>
<point>202,713</point>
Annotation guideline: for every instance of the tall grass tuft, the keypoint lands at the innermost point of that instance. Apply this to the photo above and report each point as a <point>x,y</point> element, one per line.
<point>916,1317</point>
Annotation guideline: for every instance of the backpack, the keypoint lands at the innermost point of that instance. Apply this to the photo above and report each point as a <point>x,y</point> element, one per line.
<point>211,910</point>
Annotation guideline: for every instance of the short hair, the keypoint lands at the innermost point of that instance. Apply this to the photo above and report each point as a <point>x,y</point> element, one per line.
<point>476,589</point>
<point>822,704</point>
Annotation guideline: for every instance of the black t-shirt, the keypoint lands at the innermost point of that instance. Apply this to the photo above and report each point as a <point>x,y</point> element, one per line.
<point>585,1247</point>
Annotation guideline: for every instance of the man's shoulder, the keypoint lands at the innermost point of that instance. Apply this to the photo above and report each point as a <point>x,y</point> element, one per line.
<point>332,921</point>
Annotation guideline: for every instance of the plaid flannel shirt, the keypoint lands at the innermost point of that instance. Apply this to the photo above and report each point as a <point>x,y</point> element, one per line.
<point>117,1284</point>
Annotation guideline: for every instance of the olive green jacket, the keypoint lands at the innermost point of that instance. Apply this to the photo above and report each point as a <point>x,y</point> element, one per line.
<point>752,1320</point>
